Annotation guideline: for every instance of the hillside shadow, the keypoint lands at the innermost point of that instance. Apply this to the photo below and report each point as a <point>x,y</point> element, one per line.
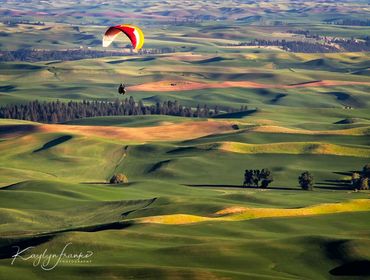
<point>349,173</point>
<point>8,88</point>
<point>239,187</point>
<point>308,82</point>
<point>131,60</point>
<point>354,268</point>
<point>9,247</point>
<point>141,59</point>
<point>11,186</point>
<point>337,184</point>
<point>107,183</point>
<point>159,165</point>
<point>277,98</point>
<point>213,59</point>
<point>337,250</point>
<point>54,143</point>
<point>210,136</point>
<point>334,185</point>
<point>17,129</point>
<point>100,227</point>
<point>187,150</point>
<point>236,115</point>
<point>346,98</point>
<point>95,183</point>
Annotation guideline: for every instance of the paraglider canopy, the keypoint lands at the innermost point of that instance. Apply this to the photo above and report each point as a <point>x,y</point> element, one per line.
<point>134,33</point>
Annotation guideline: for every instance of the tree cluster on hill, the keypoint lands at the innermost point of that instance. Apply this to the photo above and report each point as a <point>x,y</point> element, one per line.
<point>292,46</point>
<point>15,22</point>
<point>306,47</point>
<point>253,177</point>
<point>33,55</point>
<point>330,45</point>
<point>353,45</point>
<point>360,180</point>
<point>57,112</point>
<point>351,22</point>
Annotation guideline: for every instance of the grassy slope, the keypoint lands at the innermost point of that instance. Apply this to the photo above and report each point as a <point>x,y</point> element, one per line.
<point>90,79</point>
<point>55,181</point>
<point>272,247</point>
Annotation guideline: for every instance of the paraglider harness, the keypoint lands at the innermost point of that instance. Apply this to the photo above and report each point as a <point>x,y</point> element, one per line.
<point>122,89</point>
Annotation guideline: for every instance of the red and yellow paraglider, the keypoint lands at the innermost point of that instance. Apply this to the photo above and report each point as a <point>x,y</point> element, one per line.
<point>133,32</point>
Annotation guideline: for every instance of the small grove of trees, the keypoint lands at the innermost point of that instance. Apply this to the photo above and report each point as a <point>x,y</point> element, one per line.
<point>253,177</point>
<point>330,45</point>
<point>360,181</point>
<point>352,22</point>
<point>306,181</point>
<point>292,46</point>
<point>262,178</point>
<point>118,179</point>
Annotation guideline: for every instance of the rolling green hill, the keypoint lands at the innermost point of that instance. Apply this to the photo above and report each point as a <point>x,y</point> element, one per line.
<point>54,189</point>
<point>183,213</point>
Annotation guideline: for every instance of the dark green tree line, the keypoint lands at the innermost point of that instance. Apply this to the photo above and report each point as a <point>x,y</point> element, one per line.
<point>59,112</point>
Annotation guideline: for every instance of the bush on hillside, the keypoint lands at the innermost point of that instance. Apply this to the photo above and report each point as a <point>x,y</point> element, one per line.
<point>360,181</point>
<point>118,179</point>
<point>364,183</point>
<point>306,181</point>
<point>355,179</point>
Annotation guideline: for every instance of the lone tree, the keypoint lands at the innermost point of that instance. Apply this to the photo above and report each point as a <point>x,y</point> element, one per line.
<point>118,179</point>
<point>306,181</point>
<point>360,180</point>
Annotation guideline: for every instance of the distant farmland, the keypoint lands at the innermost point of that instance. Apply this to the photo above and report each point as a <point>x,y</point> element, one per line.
<point>224,96</point>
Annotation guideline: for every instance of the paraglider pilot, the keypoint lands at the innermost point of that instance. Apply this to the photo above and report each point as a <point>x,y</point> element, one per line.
<point>122,89</point>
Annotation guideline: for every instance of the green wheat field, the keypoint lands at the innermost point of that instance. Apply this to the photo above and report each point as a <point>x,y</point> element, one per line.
<point>184,213</point>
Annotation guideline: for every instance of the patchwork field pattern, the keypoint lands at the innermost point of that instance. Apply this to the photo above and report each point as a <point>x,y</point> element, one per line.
<point>184,213</point>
